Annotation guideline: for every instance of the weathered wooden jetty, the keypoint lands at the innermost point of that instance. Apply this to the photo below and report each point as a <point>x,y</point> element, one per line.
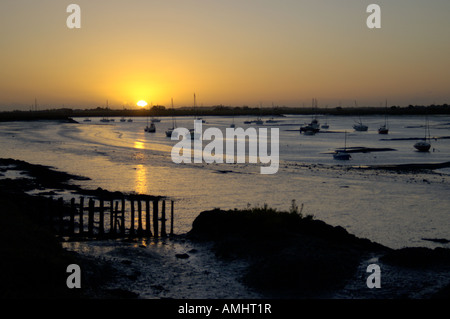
<point>130,216</point>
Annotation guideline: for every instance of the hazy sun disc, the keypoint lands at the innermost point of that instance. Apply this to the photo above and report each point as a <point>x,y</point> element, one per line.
<point>142,103</point>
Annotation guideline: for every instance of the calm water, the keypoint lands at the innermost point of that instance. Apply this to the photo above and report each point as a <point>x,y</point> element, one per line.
<point>394,209</point>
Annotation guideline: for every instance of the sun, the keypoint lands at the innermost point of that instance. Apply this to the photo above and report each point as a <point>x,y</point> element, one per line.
<point>142,103</point>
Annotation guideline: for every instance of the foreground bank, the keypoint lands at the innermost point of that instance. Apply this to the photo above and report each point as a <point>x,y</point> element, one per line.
<point>286,254</point>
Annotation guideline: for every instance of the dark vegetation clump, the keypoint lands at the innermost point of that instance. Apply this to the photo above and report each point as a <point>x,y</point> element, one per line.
<point>285,250</point>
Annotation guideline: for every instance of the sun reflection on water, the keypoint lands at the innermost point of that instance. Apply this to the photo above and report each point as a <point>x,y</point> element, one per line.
<point>139,145</point>
<point>140,184</point>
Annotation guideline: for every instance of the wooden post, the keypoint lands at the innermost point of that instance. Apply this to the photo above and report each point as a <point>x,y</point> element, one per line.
<point>81,230</point>
<point>140,229</point>
<point>132,217</point>
<point>116,216</point>
<point>101,225</point>
<point>112,217</point>
<point>91,217</point>
<point>163,219</point>
<point>155,218</point>
<point>72,217</point>
<point>171,218</point>
<point>122,224</point>
<point>147,218</point>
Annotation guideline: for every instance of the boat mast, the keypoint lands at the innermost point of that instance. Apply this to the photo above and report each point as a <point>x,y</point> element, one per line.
<point>173,118</point>
<point>356,106</point>
<point>148,114</point>
<point>386,116</point>
<point>345,141</point>
<point>195,107</point>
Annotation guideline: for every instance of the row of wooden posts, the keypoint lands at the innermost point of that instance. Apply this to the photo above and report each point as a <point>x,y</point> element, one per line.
<point>64,218</point>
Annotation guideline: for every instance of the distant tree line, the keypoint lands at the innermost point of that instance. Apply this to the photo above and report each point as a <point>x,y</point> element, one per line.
<point>221,110</point>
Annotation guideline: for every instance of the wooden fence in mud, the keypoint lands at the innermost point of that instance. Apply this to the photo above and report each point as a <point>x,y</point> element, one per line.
<point>110,218</point>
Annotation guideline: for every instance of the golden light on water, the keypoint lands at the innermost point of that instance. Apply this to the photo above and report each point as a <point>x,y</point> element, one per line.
<point>141,186</point>
<point>142,103</point>
<point>139,145</point>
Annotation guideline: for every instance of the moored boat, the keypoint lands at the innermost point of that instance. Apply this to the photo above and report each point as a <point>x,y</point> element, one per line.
<point>169,131</point>
<point>311,128</point>
<point>342,154</point>
<point>360,127</point>
<point>424,145</point>
<point>384,128</point>
<point>150,128</point>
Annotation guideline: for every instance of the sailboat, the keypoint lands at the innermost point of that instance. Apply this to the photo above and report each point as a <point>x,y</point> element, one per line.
<point>195,108</point>
<point>232,125</point>
<point>193,134</point>
<point>150,128</point>
<point>325,125</point>
<point>424,146</point>
<point>359,126</point>
<point>258,120</point>
<point>384,128</point>
<point>104,119</point>
<point>153,119</point>
<point>169,131</point>
<point>313,127</point>
<point>342,155</point>
<point>272,120</point>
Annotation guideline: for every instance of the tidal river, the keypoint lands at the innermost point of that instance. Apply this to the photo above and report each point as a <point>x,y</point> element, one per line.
<point>396,209</point>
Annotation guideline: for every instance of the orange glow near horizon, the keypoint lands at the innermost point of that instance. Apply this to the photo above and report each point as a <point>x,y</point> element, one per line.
<point>228,52</point>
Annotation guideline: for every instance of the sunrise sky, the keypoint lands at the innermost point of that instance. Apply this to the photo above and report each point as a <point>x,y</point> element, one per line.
<point>231,52</point>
